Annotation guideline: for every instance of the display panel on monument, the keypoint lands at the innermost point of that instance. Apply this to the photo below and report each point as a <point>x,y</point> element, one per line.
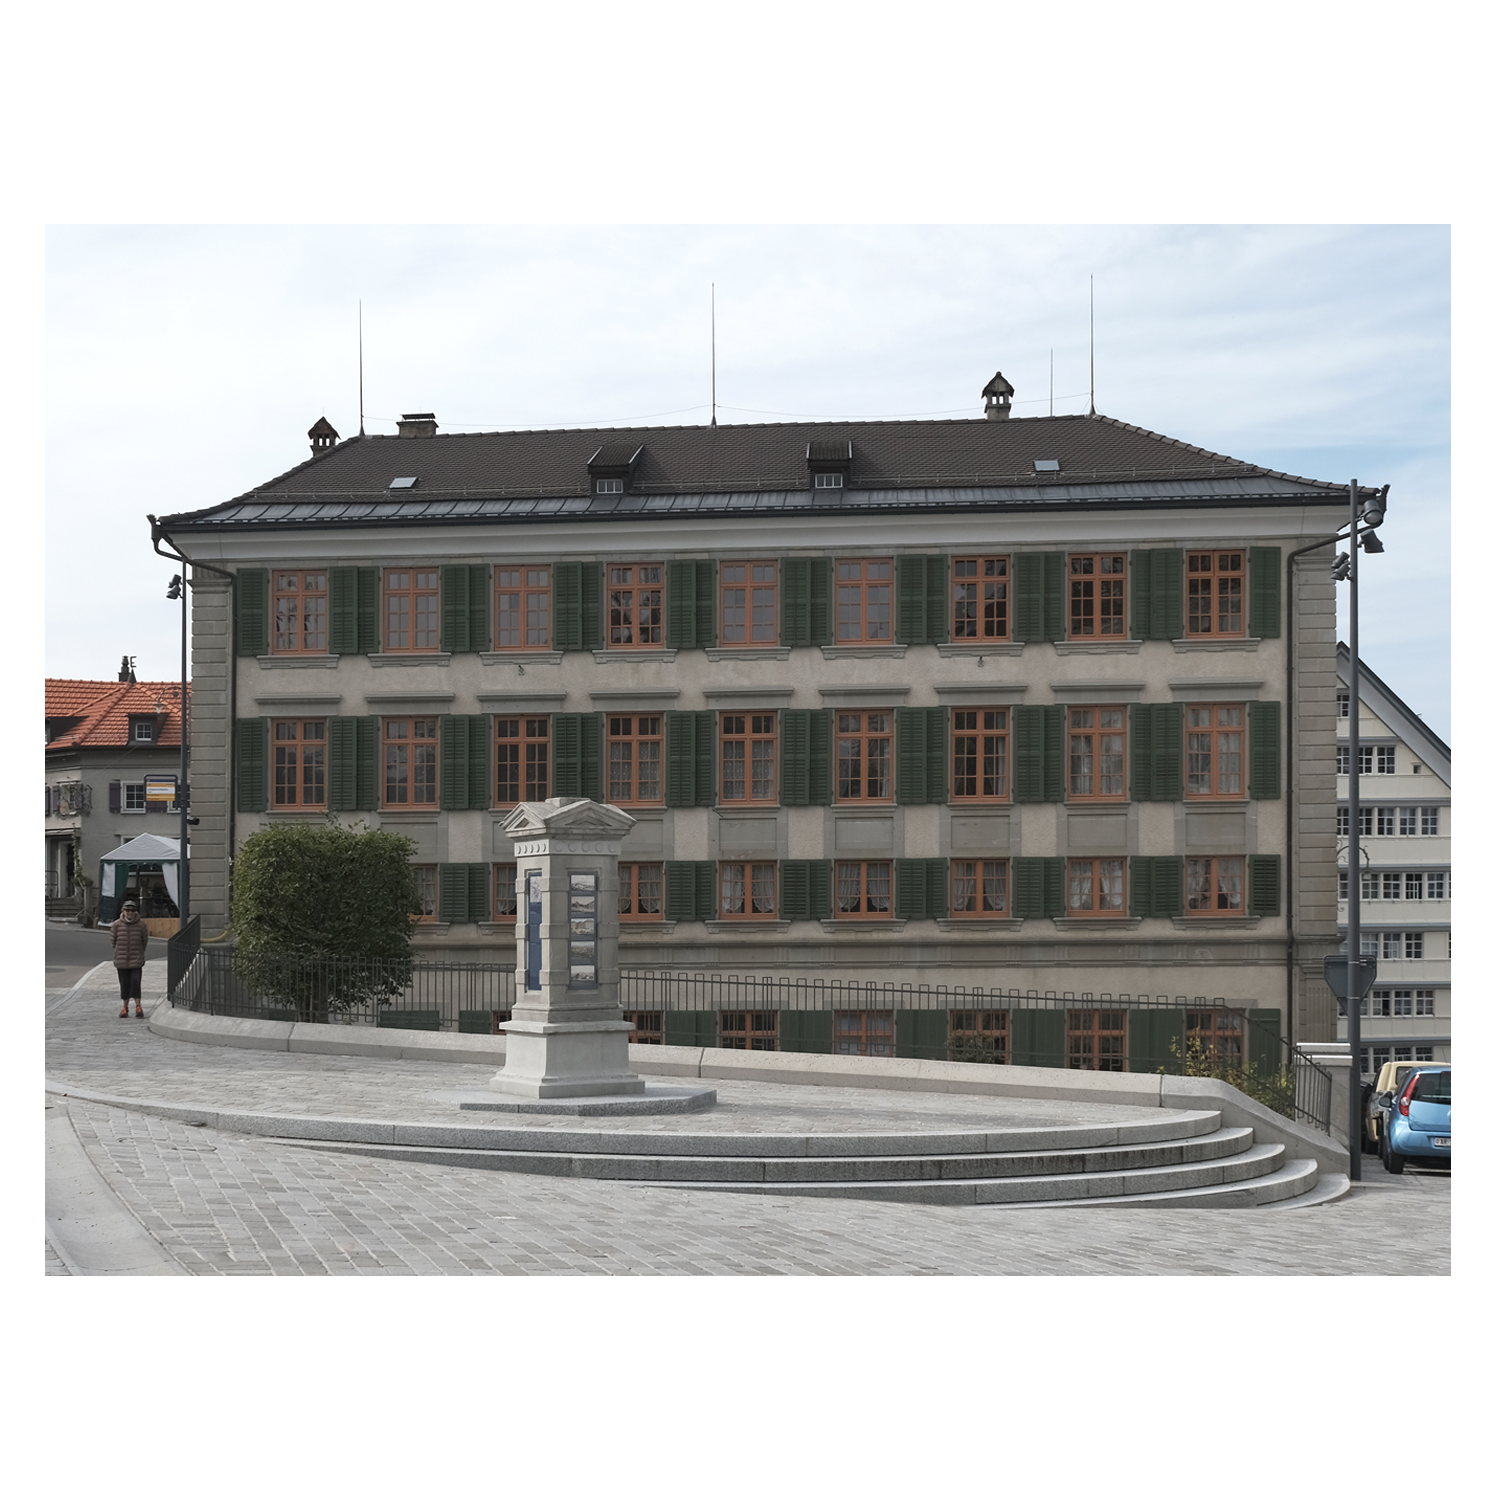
<point>568,1037</point>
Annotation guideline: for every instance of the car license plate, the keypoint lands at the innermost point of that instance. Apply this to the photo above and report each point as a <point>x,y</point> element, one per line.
<point>1441,1143</point>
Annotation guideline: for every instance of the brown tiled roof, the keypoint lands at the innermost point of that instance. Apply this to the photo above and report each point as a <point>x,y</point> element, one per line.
<point>103,710</point>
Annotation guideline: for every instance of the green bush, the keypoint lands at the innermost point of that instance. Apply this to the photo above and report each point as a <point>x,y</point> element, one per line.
<point>1275,1090</point>
<point>321,916</point>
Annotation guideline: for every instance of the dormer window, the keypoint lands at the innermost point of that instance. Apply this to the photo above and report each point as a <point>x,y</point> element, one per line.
<point>143,730</point>
<point>827,481</point>
<point>608,486</point>
<point>611,468</point>
<point>828,463</point>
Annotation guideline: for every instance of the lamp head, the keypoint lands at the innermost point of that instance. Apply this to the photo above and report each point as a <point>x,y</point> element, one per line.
<point>1371,544</point>
<point>1341,567</point>
<point>174,589</point>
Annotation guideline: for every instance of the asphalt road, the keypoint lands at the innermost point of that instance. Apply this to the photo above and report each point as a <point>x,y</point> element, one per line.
<point>71,952</point>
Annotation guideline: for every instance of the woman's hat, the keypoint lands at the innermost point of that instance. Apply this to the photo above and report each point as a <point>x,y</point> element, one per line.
<point>128,905</point>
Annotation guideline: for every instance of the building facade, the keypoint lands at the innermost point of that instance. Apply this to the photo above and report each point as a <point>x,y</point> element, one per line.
<point>103,739</point>
<point>999,702</point>
<point>1404,792</point>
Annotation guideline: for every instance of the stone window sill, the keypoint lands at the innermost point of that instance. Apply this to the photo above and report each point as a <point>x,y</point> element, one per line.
<point>1214,923</point>
<point>1185,647</point>
<point>1096,922</point>
<point>750,653</point>
<point>413,658</point>
<point>978,925</point>
<point>297,662</point>
<point>625,655</point>
<point>862,652</point>
<point>644,930</point>
<point>411,813</point>
<point>961,652</point>
<point>431,928</point>
<point>748,927</point>
<point>521,657</point>
<point>1097,647</point>
<point>862,928</point>
<point>497,928</point>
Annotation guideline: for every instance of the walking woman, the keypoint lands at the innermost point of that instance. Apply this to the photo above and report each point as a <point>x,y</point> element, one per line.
<point>128,935</point>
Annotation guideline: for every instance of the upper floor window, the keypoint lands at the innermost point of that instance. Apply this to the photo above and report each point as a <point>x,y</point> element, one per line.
<point>748,603</point>
<point>980,598</point>
<point>410,762</point>
<point>426,891</point>
<point>522,612</point>
<point>748,756</point>
<point>608,486</point>
<point>827,481</point>
<point>1214,752</point>
<point>637,606</point>
<point>134,796</point>
<point>1096,595</point>
<point>865,745</point>
<point>1214,593</point>
<point>1095,753</point>
<point>143,730</point>
<point>301,613</point>
<point>301,762</point>
<point>980,754</point>
<point>505,903</point>
<point>746,891</point>
<point>411,612</point>
<point>980,887</point>
<point>1214,886</point>
<point>640,886</point>
<point>1095,886</point>
<point>1343,701</point>
<point>634,758</point>
<point>522,759</point>
<point>863,890</point>
<point>865,593</point>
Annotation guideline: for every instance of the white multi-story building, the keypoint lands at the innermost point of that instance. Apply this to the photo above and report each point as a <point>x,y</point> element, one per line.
<point>1405,852</point>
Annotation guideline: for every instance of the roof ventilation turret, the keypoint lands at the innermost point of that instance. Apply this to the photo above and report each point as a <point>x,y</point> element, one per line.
<point>323,436</point>
<point>417,424</point>
<point>997,394</point>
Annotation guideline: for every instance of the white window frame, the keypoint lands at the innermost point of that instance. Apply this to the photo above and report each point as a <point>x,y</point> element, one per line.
<point>142,731</point>
<point>608,486</point>
<point>827,481</point>
<point>126,786</point>
<point>1385,754</point>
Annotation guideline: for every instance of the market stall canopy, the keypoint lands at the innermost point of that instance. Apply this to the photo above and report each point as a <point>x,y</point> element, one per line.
<point>115,866</point>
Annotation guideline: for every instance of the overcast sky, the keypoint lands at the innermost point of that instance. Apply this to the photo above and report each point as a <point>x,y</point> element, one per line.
<point>185,366</point>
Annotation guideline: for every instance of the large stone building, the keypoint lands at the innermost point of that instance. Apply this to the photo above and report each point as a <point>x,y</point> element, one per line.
<point>1043,704</point>
<point>1404,792</point>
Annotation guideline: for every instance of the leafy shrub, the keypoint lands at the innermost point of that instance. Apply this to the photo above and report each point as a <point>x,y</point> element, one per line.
<point>1275,1090</point>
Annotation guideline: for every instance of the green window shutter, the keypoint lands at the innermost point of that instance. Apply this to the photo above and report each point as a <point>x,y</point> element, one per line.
<point>1055,886</point>
<point>936,756</point>
<point>1029,597</point>
<point>252,611</point>
<point>819,886</point>
<point>454,610</point>
<point>1027,891</point>
<point>452,754</point>
<point>452,899</point>
<point>807,1030</point>
<point>369,611</point>
<point>1264,884</point>
<point>343,764</point>
<point>1053,760</point>
<point>343,610</point>
<point>910,600</point>
<point>707,890</point>
<point>1141,570</point>
<point>1169,895</point>
<point>819,758</point>
<point>921,1034</point>
<point>1141,885</point>
<point>910,889</point>
<point>707,605</point>
<point>936,889</point>
<point>681,605</point>
<point>251,752</point>
<point>821,601</point>
<point>591,755</point>
<point>567,605</point>
<point>1037,1037</point>
<point>1167,619</point>
<point>592,597</point>
<point>1141,751</point>
<point>910,756</point>
<point>1151,1035</point>
<point>681,759</point>
<point>707,758</point>
<point>1264,751</point>
<point>938,620</point>
<point>795,747</point>
<point>480,786</point>
<point>1054,620</point>
<point>691,1027</point>
<point>367,739</point>
<point>795,892</point>
<point>479,906</point>
<point>681,892</point>
<point>795,601</point>
<point>478,606</point>
<point>1167,727</point>
<point>1265,1053</point>
<point>567,753</point>
<point>1264,592</point>
<point>1029,754</point>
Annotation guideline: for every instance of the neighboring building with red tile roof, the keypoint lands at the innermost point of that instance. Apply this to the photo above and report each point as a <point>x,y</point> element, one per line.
<point>103,738</point>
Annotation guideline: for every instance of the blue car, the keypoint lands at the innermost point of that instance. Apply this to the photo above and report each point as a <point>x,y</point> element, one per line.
<point>1419,1127</point>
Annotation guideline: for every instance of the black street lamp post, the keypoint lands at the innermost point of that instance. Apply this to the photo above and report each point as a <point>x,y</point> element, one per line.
<point>178,589</point>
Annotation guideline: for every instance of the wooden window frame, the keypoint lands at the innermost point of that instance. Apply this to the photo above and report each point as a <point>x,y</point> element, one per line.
<point>750,733</point>
<point>1214,875</point>
<point>1209,575</point>
<point>982,891</point>
<point>992,603</point>
<point>865,1030</point>
<point>983,737</point>
<point>865,738</point>
<point>622,597</point>
<point>500,885</point>
<point>518,731</point>
<point>629,880</point>
<point>428,892</point>
<point>749,1029</point>
<point>525,592</point>
<point>862,584</point>
<point>1089,587</point>
<point>410,741</point>
<point>1097,1039</point>
<point>647,1026</point>
<point>636,739</point>
<point>863,913</point>
<point>753,589</point>
<point>423,608</point>
<point>1095,875</point>
<point>985,1029</point>
<point>1216,754</point>
<point>1221,1035</point>
<point>1095,732</point>
<point>307,642</point>
<point>751,874</point>
<point>301,747</point>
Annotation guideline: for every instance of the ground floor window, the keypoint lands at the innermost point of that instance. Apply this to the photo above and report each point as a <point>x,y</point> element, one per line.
<point>1425,1053</point>
<point>426,891</point>
<point>863,1032</point>
<point>1095,1039</point>
<point>749,1030</point>
<point>1217,1034</point>
<point>978,1035</point>
<point>644,1026</point>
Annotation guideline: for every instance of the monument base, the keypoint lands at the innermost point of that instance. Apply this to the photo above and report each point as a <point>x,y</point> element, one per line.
<point>588,1058</point>
<point>655,1099</point>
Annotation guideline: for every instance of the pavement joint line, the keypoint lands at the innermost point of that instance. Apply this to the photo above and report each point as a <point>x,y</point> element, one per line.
<point>57,1003</point>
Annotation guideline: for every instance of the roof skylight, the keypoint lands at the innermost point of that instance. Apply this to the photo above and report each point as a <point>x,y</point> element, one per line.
<point>1048,465</point>
<point>408,483</point>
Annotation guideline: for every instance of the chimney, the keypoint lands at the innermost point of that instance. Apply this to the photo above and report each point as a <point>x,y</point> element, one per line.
<point>127,669</point>
<point>417,424</point>
<point>997,394</point>
<point>323,436</point>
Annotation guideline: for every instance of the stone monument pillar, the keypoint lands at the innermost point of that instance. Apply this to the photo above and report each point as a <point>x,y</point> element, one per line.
<point>568,1037</point>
